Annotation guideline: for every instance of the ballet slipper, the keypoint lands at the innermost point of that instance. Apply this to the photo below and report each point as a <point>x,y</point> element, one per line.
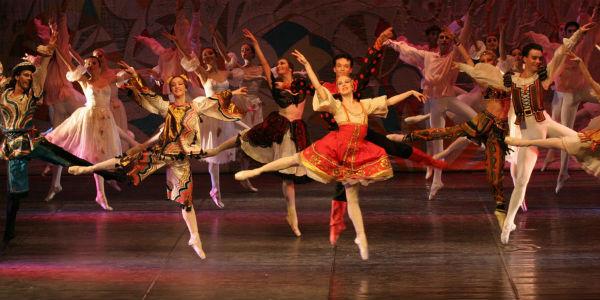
<point>549,159</point>
<point>336,220</point>
<point>79,170</point>
<point>197,246</point>
<point>506,230</point>
<point>52,193</point>
<point>47,170</point>
<point>435,187</point>
<point>101,200</point>
<point>560,182</point>
<point>216,197</point>
<point>292,220</point>
<point>500,217</point>
<point>247,185</point>
<point>428,172</point>
<point>363,247</point>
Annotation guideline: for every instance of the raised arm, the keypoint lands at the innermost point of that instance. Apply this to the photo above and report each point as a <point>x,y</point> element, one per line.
<point>189,61</point>
<point>319,89</point>
<point>142,95</point>
<point>39,77</point>
<point>260,55</point>
<point>372,59</point>
<point>465,55</point>
<point>151,43</point>
<point>559,54</point>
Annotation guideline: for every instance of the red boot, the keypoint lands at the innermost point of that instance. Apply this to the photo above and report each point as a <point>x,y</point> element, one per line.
<point>423,158</point>
<point>336,220</point>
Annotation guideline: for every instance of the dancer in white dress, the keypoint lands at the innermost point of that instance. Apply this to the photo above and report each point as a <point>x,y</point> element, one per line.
<point>91,132</point>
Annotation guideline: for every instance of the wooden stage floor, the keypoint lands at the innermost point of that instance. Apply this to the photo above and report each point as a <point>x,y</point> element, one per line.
<point>445,248</point>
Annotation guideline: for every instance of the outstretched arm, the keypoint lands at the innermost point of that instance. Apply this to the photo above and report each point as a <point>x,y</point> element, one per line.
<point>261,56</point>
<point>192,59</point>
<point>401,97</point>
<point>463,52</point>
<point>586,73</point>
<point>319,89</point>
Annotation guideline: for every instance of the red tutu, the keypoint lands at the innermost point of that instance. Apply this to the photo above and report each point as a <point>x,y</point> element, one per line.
<point>345,156</point>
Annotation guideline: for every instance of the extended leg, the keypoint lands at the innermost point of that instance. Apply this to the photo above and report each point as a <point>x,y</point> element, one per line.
<point>100,194</point>
<point>276,165</point>
<point>215,192</point>
<point>494,166</point>
<point>189,216</point>
<point>338,210</point>
<point>55,186</point>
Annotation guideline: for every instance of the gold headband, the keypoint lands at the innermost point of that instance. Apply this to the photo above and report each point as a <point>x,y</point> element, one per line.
<point>182,76</point>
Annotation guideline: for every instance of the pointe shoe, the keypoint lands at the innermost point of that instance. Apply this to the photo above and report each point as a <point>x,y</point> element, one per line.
<point>524,206</point>
<point>506,230</point>
<point>52,192</point>
<point>78,170</point>
<point>216,197</point>
<point>293,222</point>
<point>416,119</point>
<point>363,248</point>
<point>246,174</point>
<point>562,179</point>
<point>197,246</point>
<point>103,203</point>
<point>114,185</point>
<point>434,189</point>
<point>247,185</point>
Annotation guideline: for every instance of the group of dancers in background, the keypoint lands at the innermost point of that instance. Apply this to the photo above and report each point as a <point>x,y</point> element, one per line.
<point>211,108</point>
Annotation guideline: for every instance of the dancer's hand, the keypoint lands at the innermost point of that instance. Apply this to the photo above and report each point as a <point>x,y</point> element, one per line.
<point>587,27</point>
<point>300,57</point>
<point>240,91</point>
<point>422,98</point>
<point>574,57</point>
<point>249,35</point>
<point>53,33</point>
<point>127,68</point>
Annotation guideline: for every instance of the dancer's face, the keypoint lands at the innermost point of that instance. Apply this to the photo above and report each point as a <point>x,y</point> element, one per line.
<point>533,60</point>
<point>24,79</point>
<point>283,67</point>
<point>342,67</point>
<point>445,41</point>
<point>247,52</point>
<point>569,31</point>
<point>491,43</point>
<point>516,53</point>
<point>92,64</point>
<point>177,86</point>
<point>487,59</point>
<point>345,85</point>
<point>208,56</point>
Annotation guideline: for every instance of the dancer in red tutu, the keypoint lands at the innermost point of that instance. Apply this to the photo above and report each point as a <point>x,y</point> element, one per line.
<point>342,155</point>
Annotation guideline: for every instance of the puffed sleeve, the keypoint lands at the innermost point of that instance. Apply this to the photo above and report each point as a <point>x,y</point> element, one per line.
<point>190,64</point>
<point>76,74</point>
<point>376,106</point>
<point>484,74</point>
<point>218,106</point>
<point>328,104</point>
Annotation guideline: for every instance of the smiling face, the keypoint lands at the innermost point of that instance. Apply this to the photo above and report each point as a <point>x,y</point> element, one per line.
<point>342,67</point>
<point>24,79</point>
<point>177,87</point>
<point>488,57</point>
<point>283,67</point>
<point>345,85</point>
<point>533,60</point>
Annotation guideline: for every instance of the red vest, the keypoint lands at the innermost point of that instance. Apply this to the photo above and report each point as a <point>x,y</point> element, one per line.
<point>536,92</point>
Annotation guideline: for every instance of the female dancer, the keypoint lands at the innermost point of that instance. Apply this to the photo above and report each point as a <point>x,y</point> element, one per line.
<point>342,155</point>
<point>172,146</point>
<point>585,145</point>
<point>251,76</point>
<point>214,78</point>
<point>91,132</point>
<point>282,133</point>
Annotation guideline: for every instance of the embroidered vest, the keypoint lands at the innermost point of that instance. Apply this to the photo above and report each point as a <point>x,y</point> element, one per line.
<point>527,101</point>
